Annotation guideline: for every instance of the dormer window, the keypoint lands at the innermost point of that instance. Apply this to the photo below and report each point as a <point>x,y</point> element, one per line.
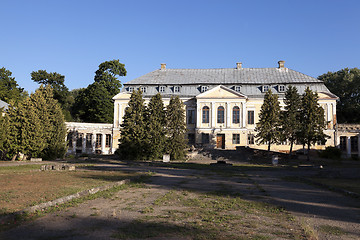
<point>265,88</point>
<point>162,89</point>
<point>143,89</point>
<point>237,88</point>
<point>130,89</point>
<point>204,88</point>
<point>281,88</point>
<point>176,89</point>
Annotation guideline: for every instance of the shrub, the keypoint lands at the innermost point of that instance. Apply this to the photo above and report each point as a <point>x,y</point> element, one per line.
<point>331,152</point>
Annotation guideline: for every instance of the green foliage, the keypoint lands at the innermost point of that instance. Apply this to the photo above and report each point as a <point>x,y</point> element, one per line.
<point>9,89</point>
<point>346,85</point>
<point>155,128</point>
<point>312,120</point>
<point>331,152</point>
<point>176,129</point>
<point>60,91</point>
<point>268,127</point>
<point>290,118</point>
<point>93,104</point>
<point>133,135</point>
<point>4,128</point>
<point>36,127</point>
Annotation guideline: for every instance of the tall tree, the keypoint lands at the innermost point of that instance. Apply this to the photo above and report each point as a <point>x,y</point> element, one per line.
<point>133,135</point>
<point>176,129</point>
<point>268,127</point>
<point>291,116</point>
<point>60,91</point>
<point>4,129</point>
<point>155,128</point>
<point>346,85</point>
<point>107,75</point>
<point>312,120</point>
<point>9,89</point>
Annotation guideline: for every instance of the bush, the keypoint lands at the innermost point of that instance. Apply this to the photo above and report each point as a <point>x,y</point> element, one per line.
<point>331,153</point>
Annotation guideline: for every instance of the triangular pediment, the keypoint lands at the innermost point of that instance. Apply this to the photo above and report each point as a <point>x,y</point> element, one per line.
<point>221,92</point>
<point>326,95</point>
<point>122,95</point>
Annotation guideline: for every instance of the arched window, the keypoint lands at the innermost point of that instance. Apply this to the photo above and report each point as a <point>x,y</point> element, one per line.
<point>205,114</point>
<point>220,114</point>
<point>236,114</point>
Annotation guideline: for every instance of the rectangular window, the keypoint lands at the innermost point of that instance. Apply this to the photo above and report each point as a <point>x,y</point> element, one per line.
<point>354,144</point>
<point>98,140</point>
<point>108,140</point>
<point>88,140</point>
<point>143,89</point>
<point>265,88</point>
<point>343,143</point>
<point>190,116</point>
<point>251,139</point>
<point>281,88</point>
<point>205,114</point>
<point>204,88</point>
<point>130,89</point>
<point>205,138</point>
<point>70,139</point>
<point>237,88</point>
<point>191,138</point>
<point>162,89</point>
<point>236,139</point>
<point>251,117</point>
<point>79,139</point>
<point>176,89</point>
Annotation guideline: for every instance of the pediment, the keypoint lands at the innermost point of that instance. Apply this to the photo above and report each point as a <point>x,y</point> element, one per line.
<point>221,92</point>
<point>122,95</point>
<point>325,95</point>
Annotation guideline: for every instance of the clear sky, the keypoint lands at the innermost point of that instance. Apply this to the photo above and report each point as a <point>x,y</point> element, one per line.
<point>72,37</point>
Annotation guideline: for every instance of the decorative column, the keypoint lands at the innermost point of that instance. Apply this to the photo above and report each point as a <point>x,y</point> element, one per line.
<point>348,147</point>
<point>74,138</point>
<point>93,142</point>
<point>213,116</point>
<point>243,107</point>
<point>103,139</point>
<point>83,150</point>
<point>119,115</point>
<point>227,105</point>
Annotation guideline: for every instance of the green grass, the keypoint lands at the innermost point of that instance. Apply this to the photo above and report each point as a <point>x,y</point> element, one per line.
<point>20,168</point>
<point>332,230</point>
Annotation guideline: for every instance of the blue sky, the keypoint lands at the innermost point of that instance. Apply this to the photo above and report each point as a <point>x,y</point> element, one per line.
<point>72,37</point>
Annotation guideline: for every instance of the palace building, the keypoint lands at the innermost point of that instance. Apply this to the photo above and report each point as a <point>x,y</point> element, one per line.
<point>222,105</point>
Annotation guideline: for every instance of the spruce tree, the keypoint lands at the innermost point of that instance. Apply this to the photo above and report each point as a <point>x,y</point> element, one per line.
<point>155,128</point>
<point>133,136</point>
<point>176,129</point>
<point>4,129</point>
<point>290,117</point>
<point>312,120</point>
<point>268,127</point>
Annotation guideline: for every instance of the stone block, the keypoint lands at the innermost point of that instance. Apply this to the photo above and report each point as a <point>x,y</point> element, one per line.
<point>35,159</point>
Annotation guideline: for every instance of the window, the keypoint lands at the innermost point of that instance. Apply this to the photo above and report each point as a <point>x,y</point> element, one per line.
<point>281,88</point>
<point>204,88</point>
<point>98,140</point>
<point>236,114</point>
<point>108,140</point>
<point>130,89</point>
<point>250,117</point>
<point>143,89</point>
<point>321,142</point>
<point>343,143</point>
<point>162,89</point>
<point>79,139</point>
<point>190,116</point>
<point>237,88</point>
<point>205,138</point>
<point>205,114</point>
<point>176,89</point>
<point>88,140</point>
<point>251,139</point>
<point>236,139</point>
<point>354,144</point>
<point>265,88</point>
<point>70,139</point>
<point>191,138</point>
<point>220,114</point>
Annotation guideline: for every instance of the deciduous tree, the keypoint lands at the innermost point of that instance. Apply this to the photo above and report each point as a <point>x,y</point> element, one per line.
<point>268,127</point>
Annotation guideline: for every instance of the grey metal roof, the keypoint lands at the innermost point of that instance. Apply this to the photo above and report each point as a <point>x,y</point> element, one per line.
<point>223,76</point>
<point>4,105</point>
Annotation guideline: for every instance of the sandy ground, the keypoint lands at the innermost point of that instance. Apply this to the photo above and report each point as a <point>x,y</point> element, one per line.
<point>99,218</point>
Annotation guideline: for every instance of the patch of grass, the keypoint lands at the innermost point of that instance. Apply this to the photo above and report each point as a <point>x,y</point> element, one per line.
<point>19,168</point>
<point>352,185</point>
<point>333,230</point>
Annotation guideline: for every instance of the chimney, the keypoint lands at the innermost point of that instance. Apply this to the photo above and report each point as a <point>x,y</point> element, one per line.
<point>238,65</point>
<point>163,66</point>
<point>281,64</point>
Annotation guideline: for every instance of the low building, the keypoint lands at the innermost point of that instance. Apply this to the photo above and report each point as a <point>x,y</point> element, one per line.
<point>223,105</point>
<point>348,137</point>
<point>4,106</point>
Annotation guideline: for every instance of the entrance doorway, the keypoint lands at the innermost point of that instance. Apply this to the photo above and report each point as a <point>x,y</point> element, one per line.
<point>220,141</point>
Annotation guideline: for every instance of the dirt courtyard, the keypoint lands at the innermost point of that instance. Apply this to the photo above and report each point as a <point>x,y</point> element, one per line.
<point>204,203</point>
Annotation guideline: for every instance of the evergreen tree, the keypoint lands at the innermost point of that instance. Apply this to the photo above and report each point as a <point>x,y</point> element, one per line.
<point>107,74</point>
<point>176,129</point>
<point>9,89</point>
<point>155,128</point>
<point>312,120</point>
<point>133,136</point>
<point>290,117</point>
<point>268,127</point>
<point>4,129</point>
